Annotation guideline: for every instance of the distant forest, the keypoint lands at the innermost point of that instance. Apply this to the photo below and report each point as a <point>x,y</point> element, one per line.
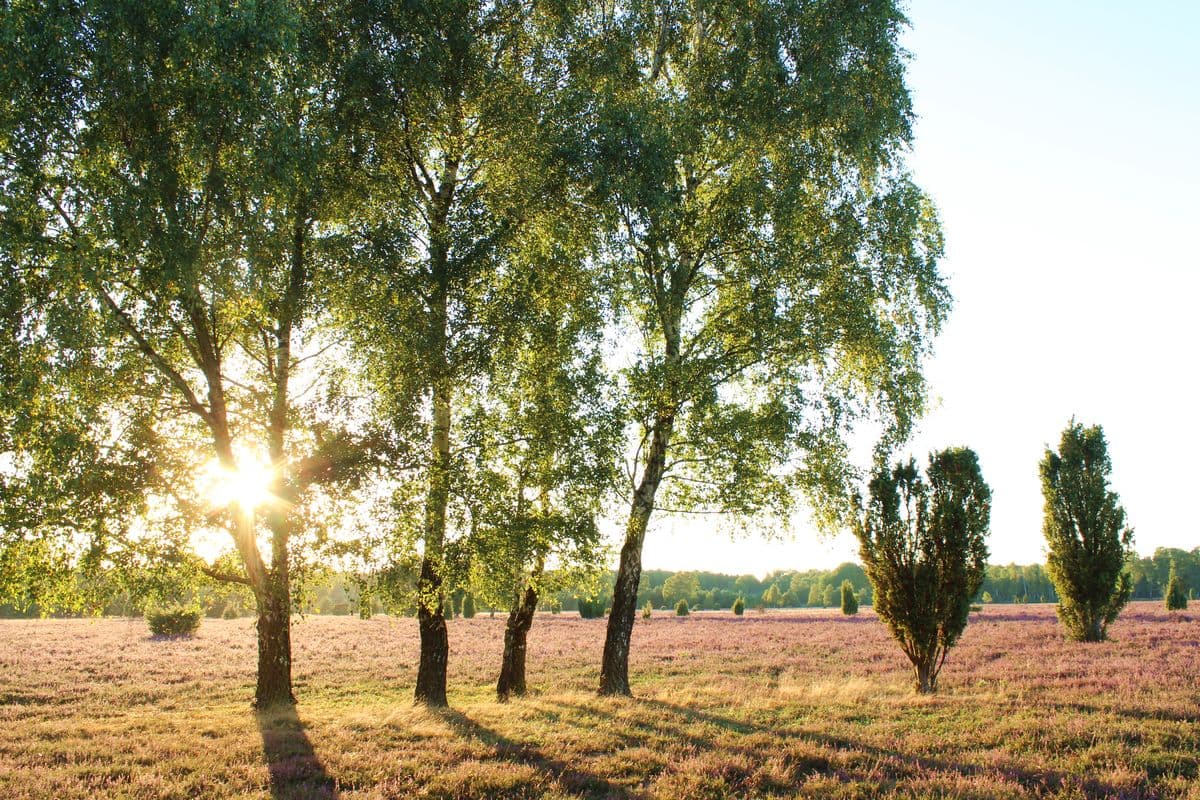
<point>341,594</point>
<point>1013,583</point>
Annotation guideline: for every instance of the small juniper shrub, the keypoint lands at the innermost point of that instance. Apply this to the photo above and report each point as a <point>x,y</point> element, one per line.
<point>1175,597</point>
<point>922,538</point>
<point>1087,538</point>
<point>468,607</point>
<point>173,620</point>
<point>739,606</point>
<point>647,610</point>
<point>849,599</point>
<point>681,608</point>
<point>590,609</point>
<point>231,611</point>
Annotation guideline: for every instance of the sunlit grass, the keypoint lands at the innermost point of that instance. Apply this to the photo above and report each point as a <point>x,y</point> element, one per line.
<point>786,704</point>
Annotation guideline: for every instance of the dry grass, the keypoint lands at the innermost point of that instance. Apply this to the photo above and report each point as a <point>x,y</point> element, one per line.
<point>792,704</point>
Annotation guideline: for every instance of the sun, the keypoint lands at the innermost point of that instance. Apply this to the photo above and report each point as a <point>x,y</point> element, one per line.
<point>248,485</point>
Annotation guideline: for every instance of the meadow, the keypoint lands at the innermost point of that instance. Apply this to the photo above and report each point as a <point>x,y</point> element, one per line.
<point>801,703</point>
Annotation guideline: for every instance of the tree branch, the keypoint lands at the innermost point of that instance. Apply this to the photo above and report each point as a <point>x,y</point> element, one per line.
<point>224,577</point>
<point>180,383</point>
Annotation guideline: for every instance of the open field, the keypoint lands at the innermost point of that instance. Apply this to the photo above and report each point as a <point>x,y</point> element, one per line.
<point>787,704</point>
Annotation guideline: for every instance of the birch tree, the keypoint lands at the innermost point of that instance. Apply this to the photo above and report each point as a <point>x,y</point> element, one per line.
<point>779,263</point>
<point>170,171</point>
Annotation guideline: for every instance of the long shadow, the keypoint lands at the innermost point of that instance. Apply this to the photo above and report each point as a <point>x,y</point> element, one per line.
<point>570,778</point>
<point>906,765</point>
<point>296,772</point>
<point>1158,715</point>
<point>1030,779</point>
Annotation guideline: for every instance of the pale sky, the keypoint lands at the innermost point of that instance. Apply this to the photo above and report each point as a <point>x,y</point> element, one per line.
<point>1061,143</point>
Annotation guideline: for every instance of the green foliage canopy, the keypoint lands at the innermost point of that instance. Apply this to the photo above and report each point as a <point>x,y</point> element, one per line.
<point>1086,534</point>
<point>923,545</point>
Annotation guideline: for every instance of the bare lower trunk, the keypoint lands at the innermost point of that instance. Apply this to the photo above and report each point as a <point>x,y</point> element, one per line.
<point>614,668</point>
<point>926,678</point>
<point>516,631</point>
<point>435,652</point>
<point>274,646</point>
<point>927,665</point>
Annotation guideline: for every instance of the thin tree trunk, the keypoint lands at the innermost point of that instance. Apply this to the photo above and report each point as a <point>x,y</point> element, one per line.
<point>274,596</point>
<point>516,632</point>
<point>435,644</point>
<point>614,668</point>
<point>274,644</point>
<point>274,600</point>
<point>927,675</point>
<point>927,663</point>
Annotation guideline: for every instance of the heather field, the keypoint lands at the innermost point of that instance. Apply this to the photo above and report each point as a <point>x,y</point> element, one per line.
<point>786,704</point>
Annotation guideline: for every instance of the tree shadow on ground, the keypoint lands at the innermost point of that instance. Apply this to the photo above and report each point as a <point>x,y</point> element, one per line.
<point>296,772</point>
<point>887,767</point>
<point>569,777</point>
<point>1154,714</point>
<point>898,765</point>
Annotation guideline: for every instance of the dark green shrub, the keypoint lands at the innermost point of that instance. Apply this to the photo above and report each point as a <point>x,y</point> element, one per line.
<point>739,606</point>
<point>468,607</point>
<point>849,599</point>
<point>1174,595</point>
<point>1088,540</point>
<point>923,546</point>
<point>681,608</point>
<point>591,609</point>
<point>173,620</point>
<point>647,610</point>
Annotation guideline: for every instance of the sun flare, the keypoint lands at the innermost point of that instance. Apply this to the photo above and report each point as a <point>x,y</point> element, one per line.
<point>248,485</point>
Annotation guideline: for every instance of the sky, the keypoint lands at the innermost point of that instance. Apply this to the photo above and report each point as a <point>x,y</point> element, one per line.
<point>1060,141</point>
